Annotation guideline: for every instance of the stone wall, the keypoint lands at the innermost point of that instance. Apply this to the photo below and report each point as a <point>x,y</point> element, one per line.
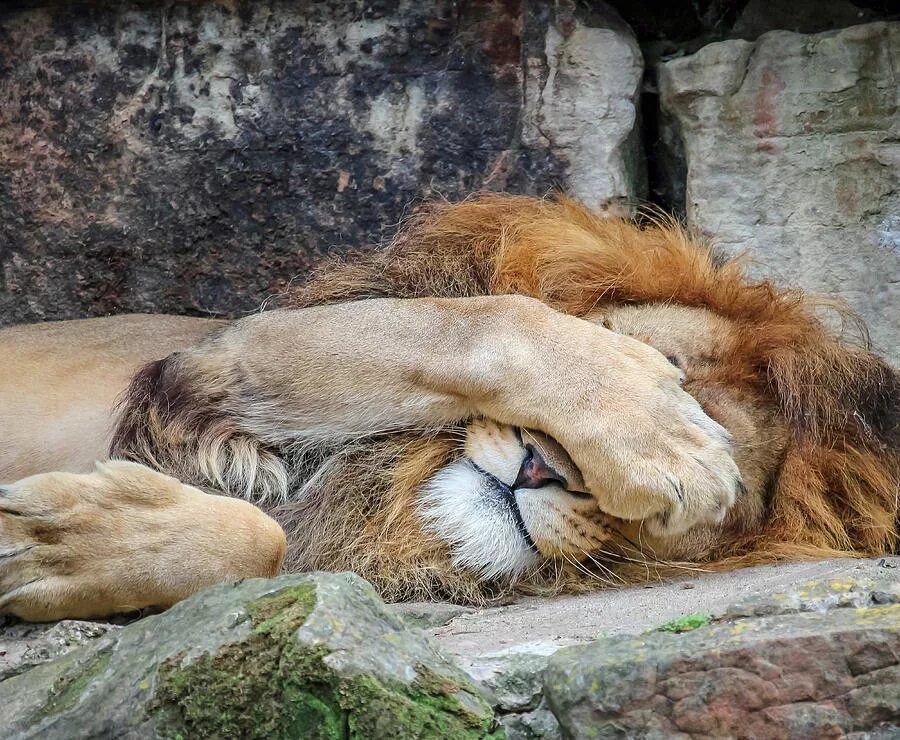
<point>195,157</point>
<point>792,152</point>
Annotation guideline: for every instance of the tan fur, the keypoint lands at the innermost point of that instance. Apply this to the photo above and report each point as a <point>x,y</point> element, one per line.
<point>132,521</point>
<point>333,416</point>
<point>60,381</point>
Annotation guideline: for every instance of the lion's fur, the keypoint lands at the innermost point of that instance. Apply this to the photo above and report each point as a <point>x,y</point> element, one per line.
<point>837,490</point>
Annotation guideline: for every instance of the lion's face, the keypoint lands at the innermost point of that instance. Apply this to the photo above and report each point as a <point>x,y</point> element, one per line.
<point>514,498</point>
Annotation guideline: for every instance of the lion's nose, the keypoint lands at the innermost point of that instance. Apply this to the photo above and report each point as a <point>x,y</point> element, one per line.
<point>536,472</point>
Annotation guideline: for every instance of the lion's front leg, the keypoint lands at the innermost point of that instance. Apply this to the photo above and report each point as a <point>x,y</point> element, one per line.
<point>120,539</point>
<point>221,412</point>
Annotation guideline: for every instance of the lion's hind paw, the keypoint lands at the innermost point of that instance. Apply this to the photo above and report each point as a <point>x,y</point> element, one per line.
<point>120,539</point>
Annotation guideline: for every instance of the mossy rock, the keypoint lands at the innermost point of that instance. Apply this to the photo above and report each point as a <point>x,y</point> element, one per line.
<point>305,656</point>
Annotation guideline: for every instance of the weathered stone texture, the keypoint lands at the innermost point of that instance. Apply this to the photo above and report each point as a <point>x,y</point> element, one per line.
<point>581,102</point>
<point>820,596</point>
<point>311,656</point>
<point>24,645</point>
<point>194,156</point>
<point>792,147</point>
<point>319,655</point>
<point>804,675</point>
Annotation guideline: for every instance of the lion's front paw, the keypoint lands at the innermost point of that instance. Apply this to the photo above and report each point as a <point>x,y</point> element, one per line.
<point>120,539</point>
<point>672,468</point>
<point>690,472</point>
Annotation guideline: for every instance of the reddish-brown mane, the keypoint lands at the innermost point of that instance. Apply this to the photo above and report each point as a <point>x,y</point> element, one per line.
<point>838,487</point>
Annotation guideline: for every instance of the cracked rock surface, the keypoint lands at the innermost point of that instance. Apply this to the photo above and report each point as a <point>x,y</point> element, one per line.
<point>195,157</point>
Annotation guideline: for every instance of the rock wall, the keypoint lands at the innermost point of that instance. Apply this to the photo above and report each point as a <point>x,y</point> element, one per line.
<point>792,153</point>
<point>195,157</point>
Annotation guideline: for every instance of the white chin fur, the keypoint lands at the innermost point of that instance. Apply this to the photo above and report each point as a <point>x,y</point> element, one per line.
<point>460,507</point>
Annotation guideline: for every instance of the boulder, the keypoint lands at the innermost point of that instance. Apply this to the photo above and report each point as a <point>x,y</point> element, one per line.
<point>792,154</point>
<point>798,675</point>
<point>312,656</point>
<point>195,157</point>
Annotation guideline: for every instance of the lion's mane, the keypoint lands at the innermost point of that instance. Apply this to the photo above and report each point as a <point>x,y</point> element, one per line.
<point>838,486</point>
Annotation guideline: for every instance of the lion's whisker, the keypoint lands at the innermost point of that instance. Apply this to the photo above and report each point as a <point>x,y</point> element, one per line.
<point>603,567</point>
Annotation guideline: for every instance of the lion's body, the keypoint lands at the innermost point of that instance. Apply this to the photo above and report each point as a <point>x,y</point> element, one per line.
<point>367,460</point>
<point>61,380</point>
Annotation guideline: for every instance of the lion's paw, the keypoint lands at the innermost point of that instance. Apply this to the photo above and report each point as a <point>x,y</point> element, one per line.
<point>672,468</point>
<point>121,539</point>
<point>688,476</point>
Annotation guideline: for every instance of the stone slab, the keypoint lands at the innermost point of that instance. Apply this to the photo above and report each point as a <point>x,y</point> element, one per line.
<point>541,626</point>
<point>791,145</point>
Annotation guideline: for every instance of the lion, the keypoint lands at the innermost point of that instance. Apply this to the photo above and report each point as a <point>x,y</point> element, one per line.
<point>514,395</point>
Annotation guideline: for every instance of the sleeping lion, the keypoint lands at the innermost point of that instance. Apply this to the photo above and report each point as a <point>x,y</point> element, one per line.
<point>514,395</point>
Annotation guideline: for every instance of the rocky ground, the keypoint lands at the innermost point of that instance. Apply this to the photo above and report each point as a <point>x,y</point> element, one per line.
<point>803,650</point>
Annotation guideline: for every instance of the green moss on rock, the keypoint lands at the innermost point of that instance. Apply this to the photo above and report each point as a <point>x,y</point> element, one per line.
<point>272,685</point>
<point>284,612</point>
<point>686,623</point>
<point>68,690</point>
